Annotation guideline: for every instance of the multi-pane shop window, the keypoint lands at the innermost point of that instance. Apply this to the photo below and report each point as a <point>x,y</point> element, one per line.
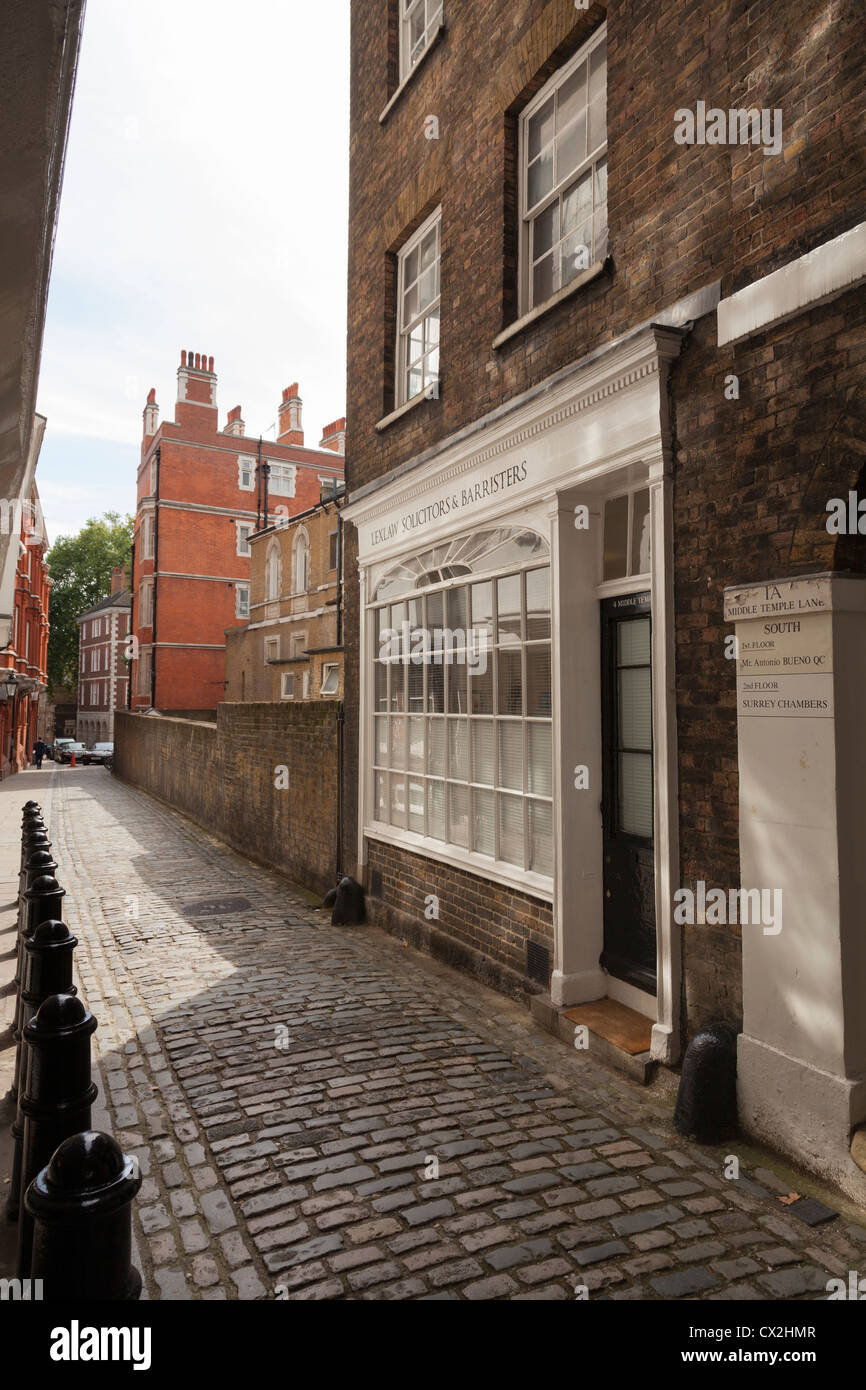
<point>419,21</point>
<point>627,535</point>
<point>564,175</point>
<point>461,661</point>
<point>418,311</point>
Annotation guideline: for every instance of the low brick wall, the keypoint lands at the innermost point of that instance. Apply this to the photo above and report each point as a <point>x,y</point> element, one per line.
<point>224,776</point>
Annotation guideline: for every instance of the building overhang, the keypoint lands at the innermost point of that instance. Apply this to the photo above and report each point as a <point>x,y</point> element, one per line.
<point>38,60</point>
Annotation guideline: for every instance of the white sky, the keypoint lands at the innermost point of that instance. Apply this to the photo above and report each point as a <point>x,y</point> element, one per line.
<point>204,206</point>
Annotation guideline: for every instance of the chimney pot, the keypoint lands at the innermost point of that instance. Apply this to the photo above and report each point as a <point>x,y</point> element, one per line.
<point>210,364</point>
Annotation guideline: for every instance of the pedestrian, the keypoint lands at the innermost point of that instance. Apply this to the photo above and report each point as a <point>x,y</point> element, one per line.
<point>39,751</point>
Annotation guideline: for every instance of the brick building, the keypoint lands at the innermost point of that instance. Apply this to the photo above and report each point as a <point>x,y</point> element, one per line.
<point>291,649</point>
<point>25,594</point>
<point>202,492</point>
<point>636,234</point>
<point>103,666</point>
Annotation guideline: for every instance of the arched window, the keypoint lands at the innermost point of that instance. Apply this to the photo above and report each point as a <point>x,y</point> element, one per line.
<point>462,709</point>
<point>300,562</point>
<point>273,571</point>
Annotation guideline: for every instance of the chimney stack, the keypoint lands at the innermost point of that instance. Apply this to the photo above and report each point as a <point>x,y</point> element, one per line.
<point>196,390</point>
<point>334,436</point>
<point>234,423</point>
<point>150,416</point>
<point>118,577</point>
<point>290,430</point>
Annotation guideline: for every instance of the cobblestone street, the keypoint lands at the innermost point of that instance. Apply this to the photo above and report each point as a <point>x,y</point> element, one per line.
<point>286,1084</point>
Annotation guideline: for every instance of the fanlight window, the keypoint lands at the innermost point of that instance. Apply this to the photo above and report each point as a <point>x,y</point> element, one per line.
<point>499,548</point>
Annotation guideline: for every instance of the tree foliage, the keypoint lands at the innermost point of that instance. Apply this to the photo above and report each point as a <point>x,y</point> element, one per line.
<point>80,568</point>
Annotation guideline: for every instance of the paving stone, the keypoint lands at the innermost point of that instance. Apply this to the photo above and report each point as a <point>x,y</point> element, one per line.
<point>549,1175</point>
<point>684,1282</point>
<point>790,1283</point>
<point>638,1221</point>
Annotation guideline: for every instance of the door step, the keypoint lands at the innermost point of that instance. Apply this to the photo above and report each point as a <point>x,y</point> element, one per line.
<point>616,1035</point>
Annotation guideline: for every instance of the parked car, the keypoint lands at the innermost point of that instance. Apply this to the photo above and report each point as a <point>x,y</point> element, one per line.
<point>57,745</point>
<point>69,746</point>
<point>98,753</point>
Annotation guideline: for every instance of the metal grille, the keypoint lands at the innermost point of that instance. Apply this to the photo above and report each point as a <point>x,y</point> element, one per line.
<point>538,963</point>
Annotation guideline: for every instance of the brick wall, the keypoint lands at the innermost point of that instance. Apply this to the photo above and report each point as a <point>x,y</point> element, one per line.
<point>752,476</point>
<point>223,777</point>
<point>481,926</point>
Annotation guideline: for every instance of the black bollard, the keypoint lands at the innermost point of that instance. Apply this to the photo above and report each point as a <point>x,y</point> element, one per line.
<point>34,839</point>
<point>81,1207</point>
<point>42,901</point>
<point>706,1107</point>
<point>349,905</point>
<point>57,1093</point>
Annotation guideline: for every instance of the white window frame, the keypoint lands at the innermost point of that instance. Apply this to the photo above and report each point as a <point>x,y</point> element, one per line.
<point>145,604</point>
<point>301,546</point>
<point>329,668</point>
<point>242,600</point>
<point>604,586</point>
<point>273,586</point>
<point>143,671</point>
<point>529,216</point>
<point>431,12</point>
<point>333,536</point>
<point>305,685</point>
<point>147,537</point>
<point>244,530</point>
<point>246,464</point>
<point>287,685</point>
<point>404,329</point>
<point>452,850</point>
<point>286,485</point>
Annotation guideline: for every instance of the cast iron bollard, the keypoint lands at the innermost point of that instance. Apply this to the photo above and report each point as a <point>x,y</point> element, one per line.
<point>81,1207</point>
<point>57,1092</point>
<point>41,895</point>
<point>707,1098</point>
<point>34,839</point>
<point>349,904</point>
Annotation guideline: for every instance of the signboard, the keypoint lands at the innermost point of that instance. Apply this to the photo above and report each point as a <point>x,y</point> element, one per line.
<point>784,649</point>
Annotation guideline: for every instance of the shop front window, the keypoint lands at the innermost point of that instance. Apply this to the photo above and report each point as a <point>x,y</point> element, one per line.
<point>461,667</point>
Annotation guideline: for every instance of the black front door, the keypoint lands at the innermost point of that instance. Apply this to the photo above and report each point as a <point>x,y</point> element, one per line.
<point>627,805</point>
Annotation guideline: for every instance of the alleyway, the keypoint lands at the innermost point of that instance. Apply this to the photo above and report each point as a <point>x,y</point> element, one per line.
<point>286,1085</point>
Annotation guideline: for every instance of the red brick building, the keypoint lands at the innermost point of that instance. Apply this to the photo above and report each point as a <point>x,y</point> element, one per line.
<point>202,492</point>
<point>23,661</point>
<point>635,234</point>
<point>103,669</point>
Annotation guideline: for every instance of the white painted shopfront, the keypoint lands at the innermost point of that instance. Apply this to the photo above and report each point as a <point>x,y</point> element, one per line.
<point>573,476</point>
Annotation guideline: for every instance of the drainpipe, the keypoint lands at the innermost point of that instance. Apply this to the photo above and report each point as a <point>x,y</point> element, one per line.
<point>155,572</point>
<point>266,505</point>
<point>340,723</point>
<point>259,488</point>
<point>131,624</point>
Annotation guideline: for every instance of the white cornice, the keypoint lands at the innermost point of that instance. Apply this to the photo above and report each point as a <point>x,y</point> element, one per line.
<point>592,383</point>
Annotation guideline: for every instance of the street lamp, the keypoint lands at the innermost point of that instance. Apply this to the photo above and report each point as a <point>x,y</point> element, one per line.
<point>12,683</point>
